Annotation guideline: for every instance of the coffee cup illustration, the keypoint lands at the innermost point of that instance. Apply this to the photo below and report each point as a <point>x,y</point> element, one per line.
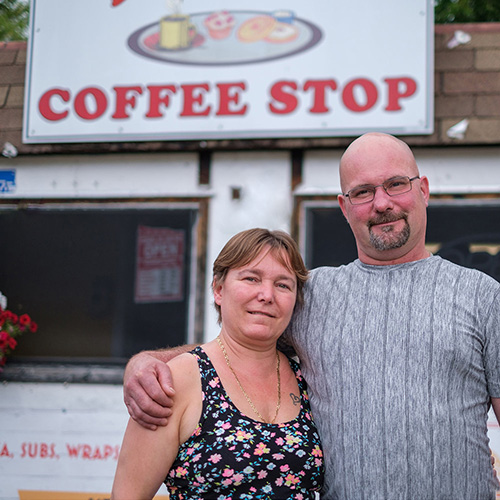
<point>176,32</point>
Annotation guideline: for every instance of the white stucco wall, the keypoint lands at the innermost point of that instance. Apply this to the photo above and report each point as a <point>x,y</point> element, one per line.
<point>104,176</point>
<point>450,170</point>
<point>59,437</point>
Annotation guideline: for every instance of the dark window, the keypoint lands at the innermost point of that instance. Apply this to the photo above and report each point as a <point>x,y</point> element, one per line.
<point>466,232</point>
<point>97,285</point>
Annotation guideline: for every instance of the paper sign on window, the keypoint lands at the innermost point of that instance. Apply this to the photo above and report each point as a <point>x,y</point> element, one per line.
<point>159,265</point>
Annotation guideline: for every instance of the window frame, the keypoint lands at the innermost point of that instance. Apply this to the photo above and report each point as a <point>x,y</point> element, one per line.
<point>304,202</point>
<point>110,370</point>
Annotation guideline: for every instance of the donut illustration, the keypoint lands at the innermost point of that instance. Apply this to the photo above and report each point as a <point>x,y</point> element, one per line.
<point>256,28</point>
<point>283,33</point>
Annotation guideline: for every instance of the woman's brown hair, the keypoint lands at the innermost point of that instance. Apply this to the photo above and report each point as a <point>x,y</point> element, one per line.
<point>247,245</point>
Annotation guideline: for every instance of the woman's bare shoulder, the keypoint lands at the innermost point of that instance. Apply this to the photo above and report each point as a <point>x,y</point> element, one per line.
<point>184,370</point>
<point>188,396</point>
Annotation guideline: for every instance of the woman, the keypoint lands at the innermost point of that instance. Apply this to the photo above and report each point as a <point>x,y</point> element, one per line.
<point>241,424</point>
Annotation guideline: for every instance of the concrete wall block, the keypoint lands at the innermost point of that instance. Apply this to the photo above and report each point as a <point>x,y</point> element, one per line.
<point>471,82</point>
<point>15,98</point>
<point>15,138</point>
<point>438,85</point>
<point>3,95</point>
<point>480,130</point>
<point>454,60</point>
<point>7,57</point>
<point>488,60</point>
<point>484,130</point>
<point>11,118</point>
<point>21,56</point>
<point>12,75</point>
<point>487,105</point>
<point>485,39</point>
<point>454,106</point>
<point>440,40</point>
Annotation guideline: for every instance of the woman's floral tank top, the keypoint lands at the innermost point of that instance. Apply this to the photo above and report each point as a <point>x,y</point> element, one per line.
<point>229,455</point>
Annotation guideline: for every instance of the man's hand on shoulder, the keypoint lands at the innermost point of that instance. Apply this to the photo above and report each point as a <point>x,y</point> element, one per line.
<point>147,388</point>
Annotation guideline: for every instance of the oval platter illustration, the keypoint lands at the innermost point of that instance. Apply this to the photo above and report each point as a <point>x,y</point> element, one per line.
<point>225,37</point>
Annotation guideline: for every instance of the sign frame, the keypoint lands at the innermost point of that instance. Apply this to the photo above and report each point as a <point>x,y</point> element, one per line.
<point>344,70</point>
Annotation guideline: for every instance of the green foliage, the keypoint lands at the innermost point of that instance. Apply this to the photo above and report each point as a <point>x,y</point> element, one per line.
<point>466,11</point>
<point>14,19</point>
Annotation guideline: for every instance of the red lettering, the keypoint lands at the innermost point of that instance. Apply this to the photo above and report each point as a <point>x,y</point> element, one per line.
<point>399,88</point>
<point>45,108</point>
<point>125,97</point>
<point>319,94</point>
<point>32,450</point>
<point>357,95</point>
<point>108,451</point>
<point>38,450</point>
<point>73,451</point>
<point>86,450</point>
<point>159,94</point>
<point>349,98</point>
<point>193,95</point>
<point>229,93</point>
<point>81,104</point>
<point>287,100</point>
<point>4,452</point>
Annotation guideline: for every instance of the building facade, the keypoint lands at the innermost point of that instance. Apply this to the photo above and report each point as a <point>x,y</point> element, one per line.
<point>87,233</point>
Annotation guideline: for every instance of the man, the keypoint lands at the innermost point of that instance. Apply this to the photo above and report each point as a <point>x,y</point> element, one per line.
<point>400,349</point>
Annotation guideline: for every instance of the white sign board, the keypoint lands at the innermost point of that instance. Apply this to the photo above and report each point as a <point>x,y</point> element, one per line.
<point>60,441</point>
<point>121,70</point>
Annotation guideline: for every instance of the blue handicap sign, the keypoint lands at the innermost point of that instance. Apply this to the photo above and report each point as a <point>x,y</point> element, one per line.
<point>7,181</point>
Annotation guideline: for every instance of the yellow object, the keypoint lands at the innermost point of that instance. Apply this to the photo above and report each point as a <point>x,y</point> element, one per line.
<point>176,32</point>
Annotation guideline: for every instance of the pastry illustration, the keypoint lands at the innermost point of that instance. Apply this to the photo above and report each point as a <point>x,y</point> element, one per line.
<point>219,24</point>
<point>256,28</point>
<point>283,33</point>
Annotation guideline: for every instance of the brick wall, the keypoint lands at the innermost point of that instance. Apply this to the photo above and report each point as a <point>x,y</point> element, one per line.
<point>467,83</point>
<point>467,87</point>
<point>12,67</point>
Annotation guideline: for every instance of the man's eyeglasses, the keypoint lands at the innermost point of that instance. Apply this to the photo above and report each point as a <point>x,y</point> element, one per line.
<point>393,187</point>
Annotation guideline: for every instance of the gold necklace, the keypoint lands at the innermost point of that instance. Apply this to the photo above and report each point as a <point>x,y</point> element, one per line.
<point>247,397</point>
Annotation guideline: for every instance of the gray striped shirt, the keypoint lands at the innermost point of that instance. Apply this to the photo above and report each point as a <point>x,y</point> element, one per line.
<point>401,362</point>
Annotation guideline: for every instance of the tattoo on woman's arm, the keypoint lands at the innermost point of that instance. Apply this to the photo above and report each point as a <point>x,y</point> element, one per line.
<point>295,399</point>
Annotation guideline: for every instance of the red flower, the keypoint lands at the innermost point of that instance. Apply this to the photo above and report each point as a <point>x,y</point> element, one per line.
<point>11,327</point>
<point>4,339</point>
<point>24,320</point>
<point>10,316</point>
